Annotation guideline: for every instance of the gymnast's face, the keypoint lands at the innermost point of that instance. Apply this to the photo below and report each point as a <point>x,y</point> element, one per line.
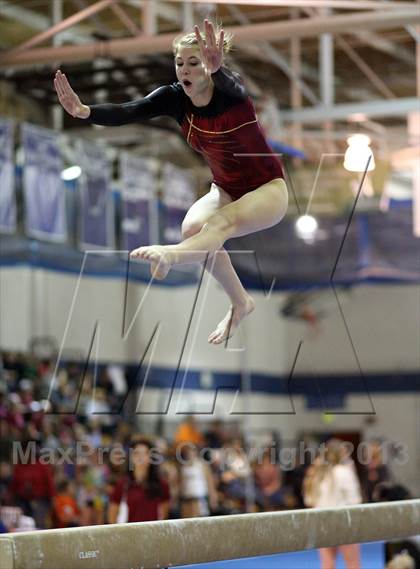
<point>191,72</point>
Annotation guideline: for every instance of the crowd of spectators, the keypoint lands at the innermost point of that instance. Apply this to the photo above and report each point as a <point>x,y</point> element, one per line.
<point>69,457</point>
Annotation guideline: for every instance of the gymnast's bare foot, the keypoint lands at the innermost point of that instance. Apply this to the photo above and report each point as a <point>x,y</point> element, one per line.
<point>159,257</point>
<point>227,327</point>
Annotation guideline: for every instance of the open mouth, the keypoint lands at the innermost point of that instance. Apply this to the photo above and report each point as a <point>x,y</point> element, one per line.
<point>186,83</point>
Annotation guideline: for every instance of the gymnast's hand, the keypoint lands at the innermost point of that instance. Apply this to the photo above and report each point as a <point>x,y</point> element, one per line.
<point>68,98</point>
<point>211,48</point>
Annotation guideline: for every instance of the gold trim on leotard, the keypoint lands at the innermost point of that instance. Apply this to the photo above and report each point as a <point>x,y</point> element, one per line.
<point>212,131</point>
<point>191,125</point>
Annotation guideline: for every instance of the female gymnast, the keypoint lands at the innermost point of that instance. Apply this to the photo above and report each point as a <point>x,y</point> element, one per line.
<point>218,119</point>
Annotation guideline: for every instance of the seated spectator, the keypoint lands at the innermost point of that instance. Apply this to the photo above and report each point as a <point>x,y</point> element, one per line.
<point>10,517</point>
<point>25,391</point>
<point>236,475</point>
<point>377,471</point>
<point>32,487</point>
<point>92,478</point>
<point>26,523</point>
<point>13,368</point>
<point>48,433</point>
<point>15,416</point>
<point>92,511</point>
<point>3,400</point>
<point>98,409</point>
<point>5,479</point>
<point>215,435</point>
<point>270,492</point>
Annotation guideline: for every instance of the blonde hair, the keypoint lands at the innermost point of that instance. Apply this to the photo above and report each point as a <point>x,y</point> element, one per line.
<point>322,467</point>
<point>190,40</point>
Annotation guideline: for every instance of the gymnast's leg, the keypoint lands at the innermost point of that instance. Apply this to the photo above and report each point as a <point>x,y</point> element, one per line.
<point>256,210</point>
<point>242,303</point>
<point>219,264</point>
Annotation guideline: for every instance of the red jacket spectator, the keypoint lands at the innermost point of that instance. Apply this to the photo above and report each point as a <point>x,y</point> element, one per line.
<point>32,481</point>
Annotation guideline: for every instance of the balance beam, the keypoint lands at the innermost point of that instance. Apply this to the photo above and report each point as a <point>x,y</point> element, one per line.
<point>154,545</point>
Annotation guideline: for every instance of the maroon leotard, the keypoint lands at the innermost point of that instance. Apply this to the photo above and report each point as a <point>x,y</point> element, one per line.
<point>226,131</point>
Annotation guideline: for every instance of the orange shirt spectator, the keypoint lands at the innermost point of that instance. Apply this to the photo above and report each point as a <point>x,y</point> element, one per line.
<point>65,509</point>
<point>188,432</point>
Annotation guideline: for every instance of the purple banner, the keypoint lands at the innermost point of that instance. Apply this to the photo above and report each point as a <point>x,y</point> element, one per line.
<point>172,218</point>
<point>96,224</point>
<point>178,196</point>
<point>7,178</point>
<point>43,188</point>
<point>138,199</point>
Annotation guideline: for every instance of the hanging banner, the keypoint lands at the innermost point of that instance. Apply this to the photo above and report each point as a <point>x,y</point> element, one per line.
<point>138,197</point>
<point>7,178</point>
<point>178,195</point>
<point>96,222</point>
<point>42,184</point>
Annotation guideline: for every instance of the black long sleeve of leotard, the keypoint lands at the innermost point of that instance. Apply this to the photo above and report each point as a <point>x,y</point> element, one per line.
<point>168,101</point>
<point>229,82</point>
<point>164,101</point>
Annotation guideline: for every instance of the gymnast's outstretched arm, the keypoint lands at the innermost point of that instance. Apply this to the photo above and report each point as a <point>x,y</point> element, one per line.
<point>161,102</point>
